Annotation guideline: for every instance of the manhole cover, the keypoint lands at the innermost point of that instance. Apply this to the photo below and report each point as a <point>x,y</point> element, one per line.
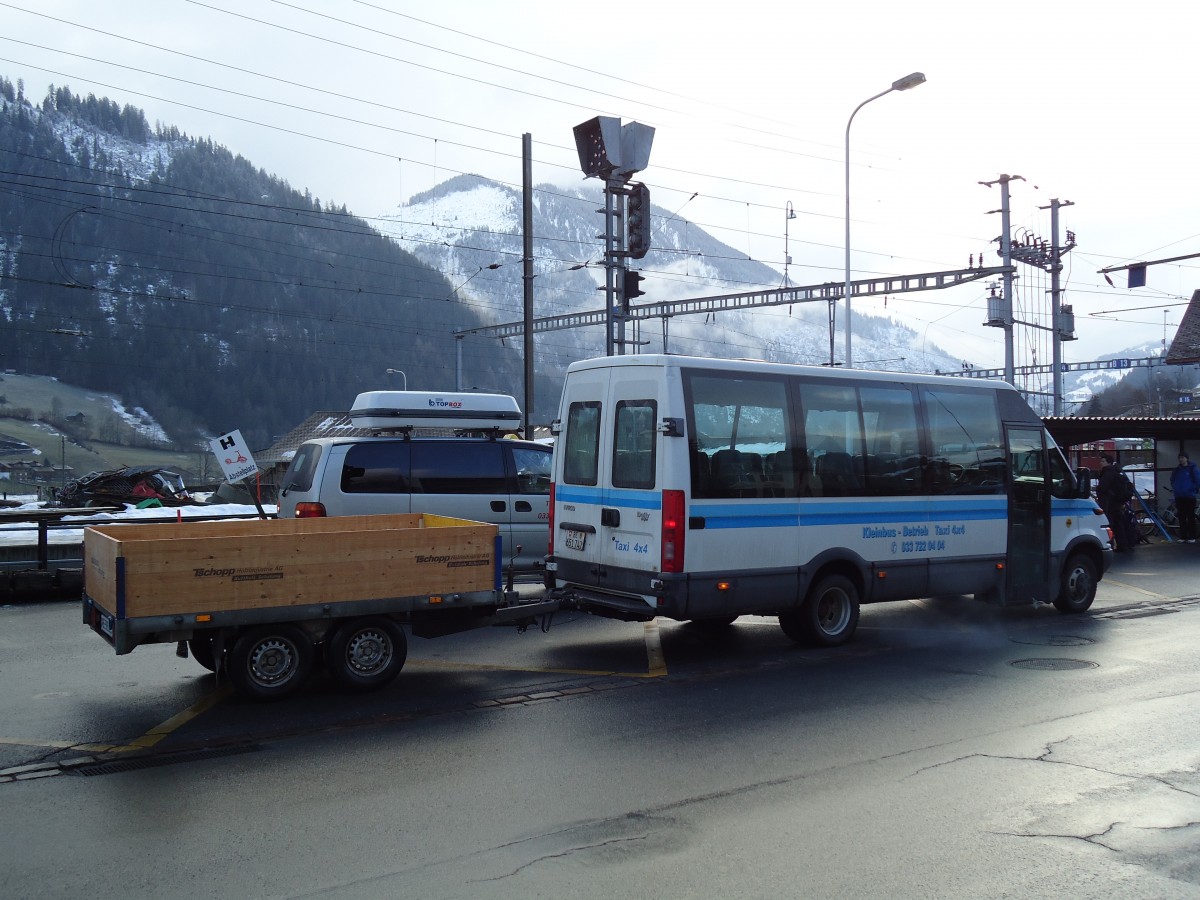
<point>1053,665</point>
<point>1055,640</point>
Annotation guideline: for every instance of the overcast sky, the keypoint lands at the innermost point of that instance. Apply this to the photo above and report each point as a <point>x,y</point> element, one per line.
<point>367,103</point>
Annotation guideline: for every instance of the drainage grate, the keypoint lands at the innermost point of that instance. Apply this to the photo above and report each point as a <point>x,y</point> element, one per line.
<point>113,766</point>
<point>1054,664</point>
<point>1056,640</point>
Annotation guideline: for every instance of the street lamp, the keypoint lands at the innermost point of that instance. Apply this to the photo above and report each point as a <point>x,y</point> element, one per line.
<point>404,382</point>
<point>789,214</point>
<point>909,81</point>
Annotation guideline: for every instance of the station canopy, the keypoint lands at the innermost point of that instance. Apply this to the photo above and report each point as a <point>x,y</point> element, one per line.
<point>1070,431</point>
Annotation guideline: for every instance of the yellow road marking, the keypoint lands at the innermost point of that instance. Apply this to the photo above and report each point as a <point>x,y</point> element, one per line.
<point>149,739</point>
<point>177,721</point>
<point>1110,580</point>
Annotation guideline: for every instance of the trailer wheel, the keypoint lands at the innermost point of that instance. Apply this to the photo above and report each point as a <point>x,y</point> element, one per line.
<point>1078,587</point>
<point>827,617</point>
<point>202,652</point>
<point>366,654</point>
<point>271,662</point>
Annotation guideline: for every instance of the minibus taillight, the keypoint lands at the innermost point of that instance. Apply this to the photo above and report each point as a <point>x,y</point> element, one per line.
<point>310,510</point>
<point>550,537</point>
<point>673,523</point>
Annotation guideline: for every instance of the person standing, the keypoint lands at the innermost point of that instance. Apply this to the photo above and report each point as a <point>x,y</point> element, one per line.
<point>1113,491</point>
<point>1185,483</point>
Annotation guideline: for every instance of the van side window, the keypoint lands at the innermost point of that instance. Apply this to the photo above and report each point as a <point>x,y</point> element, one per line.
<point>376,467</point>
<point>458,467</point>
<point>634,440</point>
<point>533,470</point>
<point>581,453</point>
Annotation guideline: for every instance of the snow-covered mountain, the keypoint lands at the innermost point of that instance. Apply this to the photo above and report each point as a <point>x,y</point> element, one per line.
<point>470,229</point>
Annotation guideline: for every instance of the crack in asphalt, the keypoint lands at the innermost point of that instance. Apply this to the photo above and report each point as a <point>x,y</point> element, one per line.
<point>1093,838</point>
<point>562,855</point>
<point>1044,756</point>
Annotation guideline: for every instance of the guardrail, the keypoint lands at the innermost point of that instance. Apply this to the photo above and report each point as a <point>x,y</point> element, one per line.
<point>46,520</point>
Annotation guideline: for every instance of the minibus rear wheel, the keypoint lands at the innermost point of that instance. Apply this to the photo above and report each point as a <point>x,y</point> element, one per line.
<point>827,617</point>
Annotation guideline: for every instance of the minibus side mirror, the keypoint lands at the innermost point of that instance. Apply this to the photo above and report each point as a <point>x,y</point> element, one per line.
<point>1084,476</point>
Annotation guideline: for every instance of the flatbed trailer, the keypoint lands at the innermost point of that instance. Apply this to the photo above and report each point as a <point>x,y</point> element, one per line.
<point>260,600</point>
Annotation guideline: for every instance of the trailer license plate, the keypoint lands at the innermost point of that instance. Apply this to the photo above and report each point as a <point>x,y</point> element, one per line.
<point>106,624</point>
<point>575,540</point>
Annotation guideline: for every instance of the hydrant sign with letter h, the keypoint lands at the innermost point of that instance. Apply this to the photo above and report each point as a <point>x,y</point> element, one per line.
<point>236,461</point>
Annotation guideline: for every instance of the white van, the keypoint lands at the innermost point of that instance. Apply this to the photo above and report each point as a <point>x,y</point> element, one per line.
<point>487,479</point>
<point>703,490</point>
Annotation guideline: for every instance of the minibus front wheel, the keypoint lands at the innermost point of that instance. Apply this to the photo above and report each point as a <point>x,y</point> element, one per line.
<point>1078,587</point>
<point>827,617</point>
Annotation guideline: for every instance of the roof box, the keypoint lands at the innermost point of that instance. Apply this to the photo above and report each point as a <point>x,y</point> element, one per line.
<point>392,410</point>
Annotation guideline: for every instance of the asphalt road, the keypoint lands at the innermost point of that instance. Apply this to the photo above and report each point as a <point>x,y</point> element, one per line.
<point>953,749</point>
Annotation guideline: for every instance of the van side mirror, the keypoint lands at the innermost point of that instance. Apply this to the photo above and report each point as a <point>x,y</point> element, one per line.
<point>1083,475</point>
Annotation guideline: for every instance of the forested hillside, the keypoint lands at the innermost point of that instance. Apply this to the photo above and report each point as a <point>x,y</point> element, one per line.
<point>165,269</point>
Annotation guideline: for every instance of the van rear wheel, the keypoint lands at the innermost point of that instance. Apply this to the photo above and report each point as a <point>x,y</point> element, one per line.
<point>827,617</point>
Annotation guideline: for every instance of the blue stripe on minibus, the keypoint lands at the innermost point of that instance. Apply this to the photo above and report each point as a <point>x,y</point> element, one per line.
<point>608,497</point>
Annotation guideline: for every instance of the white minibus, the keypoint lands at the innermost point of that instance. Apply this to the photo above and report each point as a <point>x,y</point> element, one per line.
<point>701,489</point>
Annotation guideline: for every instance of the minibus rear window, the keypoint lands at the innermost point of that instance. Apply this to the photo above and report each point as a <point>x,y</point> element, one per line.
<point>581,452</point>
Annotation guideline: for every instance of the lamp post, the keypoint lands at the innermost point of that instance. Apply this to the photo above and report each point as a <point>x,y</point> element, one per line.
<point>789,214</point>
<point>909,81</point>
<point>404,378</point>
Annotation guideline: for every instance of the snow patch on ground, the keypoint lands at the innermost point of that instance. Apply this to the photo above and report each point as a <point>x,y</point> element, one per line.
<point>140,421</point>
<point>17,534</point>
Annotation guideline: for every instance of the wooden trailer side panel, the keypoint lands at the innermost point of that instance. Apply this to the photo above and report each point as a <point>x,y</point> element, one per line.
<point>180,569</point>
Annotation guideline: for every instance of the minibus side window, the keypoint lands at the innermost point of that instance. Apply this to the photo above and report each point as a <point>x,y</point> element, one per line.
<point>633,444</point>
<point>581,450</point>
<point>965,442</point>
<point>890,427</point>
<point>833,436</point>
<point>741,442</point>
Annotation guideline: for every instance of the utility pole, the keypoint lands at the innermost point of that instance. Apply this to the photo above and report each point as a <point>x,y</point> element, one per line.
<point>1062,318</point>
<point>527,270</point>
<point>1004,317</point>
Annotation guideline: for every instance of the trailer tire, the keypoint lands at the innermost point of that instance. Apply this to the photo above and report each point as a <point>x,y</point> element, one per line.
<point>366,654</point>
<point>827,617</point>
<point>1078,586</point>
<point>271,662</point>
<point>202,652</point>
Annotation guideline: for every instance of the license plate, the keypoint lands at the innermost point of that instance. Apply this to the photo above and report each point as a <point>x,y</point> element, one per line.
<point>575,540</point>
<point>106,624</point>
